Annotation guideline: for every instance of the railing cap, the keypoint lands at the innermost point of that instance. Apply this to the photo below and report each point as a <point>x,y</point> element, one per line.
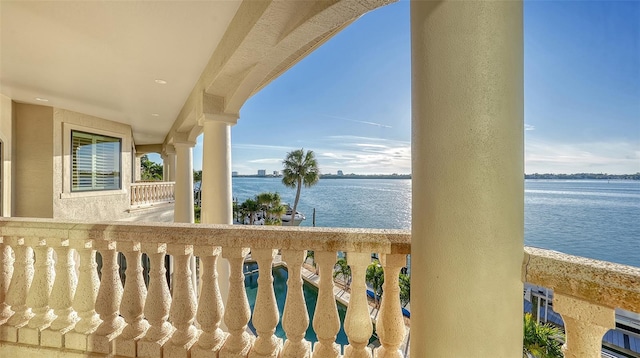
<point>601,282</point>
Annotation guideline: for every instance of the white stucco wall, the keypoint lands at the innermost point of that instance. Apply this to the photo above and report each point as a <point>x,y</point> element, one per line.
<point>97,205</point>
<point>6,121</point>
<point>33,167</point>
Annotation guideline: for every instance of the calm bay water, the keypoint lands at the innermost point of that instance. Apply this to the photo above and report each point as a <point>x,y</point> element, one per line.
<point>596,219</point>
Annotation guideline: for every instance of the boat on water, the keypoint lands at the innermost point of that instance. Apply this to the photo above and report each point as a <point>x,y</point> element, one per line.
<point>297,219</point>
<point>259,219</point>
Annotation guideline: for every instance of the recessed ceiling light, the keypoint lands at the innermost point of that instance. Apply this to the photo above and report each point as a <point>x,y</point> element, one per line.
<point>161,82</point>
<point>155,115</point>
<point>42,99</point>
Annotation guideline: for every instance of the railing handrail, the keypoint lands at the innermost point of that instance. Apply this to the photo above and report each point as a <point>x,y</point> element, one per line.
<point>605,283</point>
<point>151,183</point>
<point>383,241</point>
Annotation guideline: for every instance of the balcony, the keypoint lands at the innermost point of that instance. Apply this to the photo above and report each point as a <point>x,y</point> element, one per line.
<point>55,298</point>
<point>145,194</point>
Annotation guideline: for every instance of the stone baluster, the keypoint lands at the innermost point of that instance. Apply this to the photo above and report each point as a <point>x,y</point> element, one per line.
<point>39,292</point>
<point>357,323</point>
<point>84,301</point>
<point>18,289</point>
<point>133,299</point>
<point>265,312</point>
<point>585,323</point>
<point>108,301</point>
<point>6,272</point>
<point>133,195</point>
<point>237,311</point>
<point>210,306</point>
<point>64,289</point>
<point>325,320</point>
<point>295,319</point>
<point>156,309</point>
<point>183,305</point>
<point>390,323</point>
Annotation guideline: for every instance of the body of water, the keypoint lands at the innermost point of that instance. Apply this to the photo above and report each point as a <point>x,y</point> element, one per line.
<point>598,219</point>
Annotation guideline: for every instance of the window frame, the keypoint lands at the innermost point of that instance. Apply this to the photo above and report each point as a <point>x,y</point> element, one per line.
<point>94,173</point>
<point>67,165</point>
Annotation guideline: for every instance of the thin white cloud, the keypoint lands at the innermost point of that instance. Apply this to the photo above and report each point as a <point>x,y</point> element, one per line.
<point>529,127</point>
<point>266,161</point>
<point>605,157</point>
<point>358,121</point>
<point>259,146</point>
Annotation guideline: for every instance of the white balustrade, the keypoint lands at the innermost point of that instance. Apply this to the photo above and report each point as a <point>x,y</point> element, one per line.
<point>586,291</point>
<point>38,296</point>
<point>357,323</point>
<point>18,289</point>
<point>237,312</point>
<point>84,300</point>
<point>6,270</point>
<point>156,308</point>
<point>64,289</point>
<point>148,193</point>
<point>295,318</point>
<point>326,322</point>
<point>133,299</point>
<point>108,301</point>
<point>183,304</point>
<point>390,324</point>
<point>265,312</point>
<point>210,306</point>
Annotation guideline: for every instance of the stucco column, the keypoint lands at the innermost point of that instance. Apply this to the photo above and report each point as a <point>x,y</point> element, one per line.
<point>216,172</point>
<point>171,162</point>
<point>183,209</point>
<point>468,185</point>
<point>217,205</point>
<point>137,175</point>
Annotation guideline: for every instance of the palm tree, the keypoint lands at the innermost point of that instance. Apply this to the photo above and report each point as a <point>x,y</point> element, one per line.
<point>375,278</point>
<point>250,207</point>
<point>541,340</point>
<point>342,269</point>
<point>300,168</point>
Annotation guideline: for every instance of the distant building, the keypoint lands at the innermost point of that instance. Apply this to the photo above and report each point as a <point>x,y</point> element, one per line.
<point>262,173</point>
<point>234,174</point>
<point>340,173</point>
<point>276,173</point>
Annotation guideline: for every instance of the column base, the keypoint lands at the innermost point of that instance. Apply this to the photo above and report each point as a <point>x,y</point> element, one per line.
<point>29,336</point>
<point>173,351</point>
<point>300,351</point>
<point>53,339</point>
<point>381,352</point>
<point>102,344</point>
<point>276,352</point>
<point>126,347</point>
<point>326,351</point>
<point>201,352</point>
<point>77,341</point>
<point>9,334</point>
<point>351,352</point>
<point>152,348</point>
<point>225,353</point>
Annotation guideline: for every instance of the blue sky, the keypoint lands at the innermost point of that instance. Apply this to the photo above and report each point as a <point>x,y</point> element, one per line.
<point>350,100</point>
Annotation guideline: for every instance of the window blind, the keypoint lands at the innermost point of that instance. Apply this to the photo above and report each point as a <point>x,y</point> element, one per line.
<point>95,162</point>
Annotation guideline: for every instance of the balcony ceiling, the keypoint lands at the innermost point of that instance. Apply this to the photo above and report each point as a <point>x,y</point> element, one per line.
<point>102,58</point>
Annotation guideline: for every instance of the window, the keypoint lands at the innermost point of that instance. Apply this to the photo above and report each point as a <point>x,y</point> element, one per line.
<point>95,162</point>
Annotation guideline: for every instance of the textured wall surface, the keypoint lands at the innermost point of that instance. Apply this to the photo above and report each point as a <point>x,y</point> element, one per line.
<point>33,160</point>
<point>97,205</point>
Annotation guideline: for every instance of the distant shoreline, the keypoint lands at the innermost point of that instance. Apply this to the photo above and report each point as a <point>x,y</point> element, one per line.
<point>578,176</point>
